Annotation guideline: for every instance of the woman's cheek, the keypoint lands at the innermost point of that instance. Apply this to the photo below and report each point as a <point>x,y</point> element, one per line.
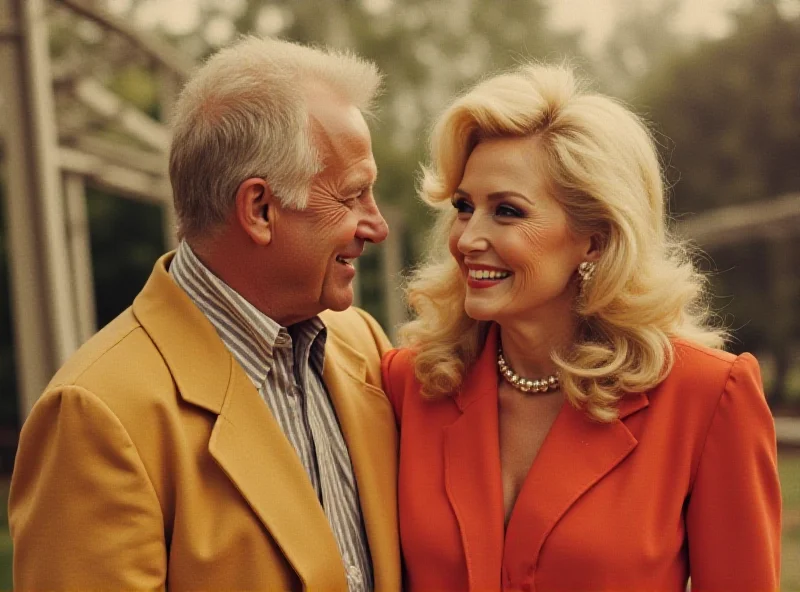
<point>452,242</point>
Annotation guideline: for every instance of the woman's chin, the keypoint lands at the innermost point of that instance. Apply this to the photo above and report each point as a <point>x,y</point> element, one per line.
<point>480,313</point>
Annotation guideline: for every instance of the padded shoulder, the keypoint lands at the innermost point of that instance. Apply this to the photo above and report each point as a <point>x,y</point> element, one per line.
<point>700,369</point>
<point>116,332</point>
<point>397,370</point>
<point>356,327</point>
<point>360,332</point>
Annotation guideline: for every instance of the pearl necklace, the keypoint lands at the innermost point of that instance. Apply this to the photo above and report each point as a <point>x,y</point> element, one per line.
<point>550,383</point>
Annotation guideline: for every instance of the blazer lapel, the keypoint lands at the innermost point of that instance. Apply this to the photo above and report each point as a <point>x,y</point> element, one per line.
<point>250,447</point>
<point>246,441</point>
<point>368,426</point>
<point>576,454</point>
<point>472,471</point>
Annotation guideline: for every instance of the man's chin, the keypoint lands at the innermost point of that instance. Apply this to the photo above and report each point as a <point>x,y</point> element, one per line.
<point>339,302</point>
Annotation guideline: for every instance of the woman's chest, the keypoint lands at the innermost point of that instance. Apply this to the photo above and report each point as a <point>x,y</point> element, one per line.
<point>591,508</point>
<point>523,424</point>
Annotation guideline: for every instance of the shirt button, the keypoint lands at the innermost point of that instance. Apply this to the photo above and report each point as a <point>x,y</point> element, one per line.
<point>281,340</point>
<point>294,391</point>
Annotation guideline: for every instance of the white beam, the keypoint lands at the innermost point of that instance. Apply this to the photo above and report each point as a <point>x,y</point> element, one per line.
<point>169,87</point>
<point>80,255</point>
<point>745,222</point>
<point>115,178</point>
<point>105,103</point>
<point>117,152</point>
<point>165,55</point>
<point>43,310</point>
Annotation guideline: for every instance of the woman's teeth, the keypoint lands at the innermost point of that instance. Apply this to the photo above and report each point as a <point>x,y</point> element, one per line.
<point>345,261</point>
<point>485,274</point>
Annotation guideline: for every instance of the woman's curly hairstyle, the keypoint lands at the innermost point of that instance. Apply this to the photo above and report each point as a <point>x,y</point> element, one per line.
<point>605,173</point>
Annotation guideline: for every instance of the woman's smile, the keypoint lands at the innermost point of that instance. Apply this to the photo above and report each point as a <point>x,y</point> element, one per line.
<point>483,276</point>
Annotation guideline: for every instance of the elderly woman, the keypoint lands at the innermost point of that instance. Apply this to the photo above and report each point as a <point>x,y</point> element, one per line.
<point>567,421</point>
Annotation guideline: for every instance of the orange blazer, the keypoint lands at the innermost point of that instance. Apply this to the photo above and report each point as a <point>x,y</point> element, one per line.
<point>152,462</point>
<point>684,484</point>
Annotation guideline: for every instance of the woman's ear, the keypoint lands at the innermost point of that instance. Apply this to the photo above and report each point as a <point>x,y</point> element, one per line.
<point>254,206</point>
<point>595,248</point>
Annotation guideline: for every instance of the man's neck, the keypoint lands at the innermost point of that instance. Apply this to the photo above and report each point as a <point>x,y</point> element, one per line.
<point>234,266</point>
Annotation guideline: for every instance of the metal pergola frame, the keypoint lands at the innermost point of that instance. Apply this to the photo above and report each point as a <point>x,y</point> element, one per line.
<point>52,288</point>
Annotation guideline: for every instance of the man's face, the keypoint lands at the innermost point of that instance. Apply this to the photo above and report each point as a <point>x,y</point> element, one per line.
<point>320,242</point>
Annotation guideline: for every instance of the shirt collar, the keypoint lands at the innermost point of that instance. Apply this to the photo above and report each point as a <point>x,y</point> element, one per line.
<point>248,333</point>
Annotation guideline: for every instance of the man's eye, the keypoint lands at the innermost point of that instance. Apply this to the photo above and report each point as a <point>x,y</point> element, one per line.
<point>353,198</point>
<point>462,205</point>
<point>508,211</point>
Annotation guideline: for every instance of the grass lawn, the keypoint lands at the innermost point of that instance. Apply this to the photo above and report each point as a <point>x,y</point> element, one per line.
<point>788,465</point>
<point>5,539</point>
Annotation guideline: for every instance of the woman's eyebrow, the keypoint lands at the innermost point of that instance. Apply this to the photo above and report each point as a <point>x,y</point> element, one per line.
<point>498,195</point>
<point>494,196</point>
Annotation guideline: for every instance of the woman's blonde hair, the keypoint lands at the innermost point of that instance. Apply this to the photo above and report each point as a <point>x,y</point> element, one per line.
<point>605,173</point>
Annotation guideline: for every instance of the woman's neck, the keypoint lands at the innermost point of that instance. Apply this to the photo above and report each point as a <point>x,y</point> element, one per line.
<point>528,345</point>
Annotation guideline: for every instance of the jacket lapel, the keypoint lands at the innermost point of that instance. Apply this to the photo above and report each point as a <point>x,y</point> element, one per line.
<point>250,447</point>
<point>576,454</point>
<point>246,441</point>
<point>472,471</point>
<point>368,426</point>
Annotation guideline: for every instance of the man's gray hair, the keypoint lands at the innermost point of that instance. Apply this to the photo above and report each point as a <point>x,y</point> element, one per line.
<point>243,114</point>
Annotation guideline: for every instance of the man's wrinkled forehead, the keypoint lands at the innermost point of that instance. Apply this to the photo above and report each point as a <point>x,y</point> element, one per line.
<point>342,138</point>
<point>338,129</point>
<point>331,115</point>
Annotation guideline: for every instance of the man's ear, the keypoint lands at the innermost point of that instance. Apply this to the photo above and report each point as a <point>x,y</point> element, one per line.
<point>255,204</point>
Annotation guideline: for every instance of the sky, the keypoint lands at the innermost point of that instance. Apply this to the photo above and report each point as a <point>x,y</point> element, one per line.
<point>594,19</point>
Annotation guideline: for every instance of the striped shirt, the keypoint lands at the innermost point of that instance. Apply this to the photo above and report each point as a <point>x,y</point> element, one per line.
<point>285,365</point>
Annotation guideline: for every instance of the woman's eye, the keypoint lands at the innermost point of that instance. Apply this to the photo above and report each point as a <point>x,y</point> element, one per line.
<point>462,206</point>
<point>508,211</point>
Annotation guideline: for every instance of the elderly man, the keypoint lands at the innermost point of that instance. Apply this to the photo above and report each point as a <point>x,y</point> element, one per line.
<point>224,433</point>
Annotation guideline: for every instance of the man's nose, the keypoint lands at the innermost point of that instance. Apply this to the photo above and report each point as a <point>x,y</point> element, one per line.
<point>373,227</point>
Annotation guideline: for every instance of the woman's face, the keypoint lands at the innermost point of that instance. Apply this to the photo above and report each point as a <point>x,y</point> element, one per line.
<point>511,237</point>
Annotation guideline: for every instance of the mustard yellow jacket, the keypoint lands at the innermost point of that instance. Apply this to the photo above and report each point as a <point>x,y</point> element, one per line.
<point>151,462</point>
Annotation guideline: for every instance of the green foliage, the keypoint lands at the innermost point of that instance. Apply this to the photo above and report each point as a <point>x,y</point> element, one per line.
<point>789,468</point>
<point>8,383</point>
<point>138,86</point>
<point>126,240</point>
<point>644,37</point>
<point>731,112</point>
<point>728,117</point>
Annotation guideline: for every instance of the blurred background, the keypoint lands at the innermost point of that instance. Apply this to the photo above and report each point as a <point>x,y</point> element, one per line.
<point>85,93</point>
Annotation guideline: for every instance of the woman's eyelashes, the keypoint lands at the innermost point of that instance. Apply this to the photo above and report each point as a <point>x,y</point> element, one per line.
<point>505,210</point>
<point>500,210</point>
<point>462,206</point>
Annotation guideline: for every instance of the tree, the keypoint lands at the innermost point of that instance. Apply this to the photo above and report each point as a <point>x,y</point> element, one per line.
<point>730,108</point>
<point>729,115</point>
